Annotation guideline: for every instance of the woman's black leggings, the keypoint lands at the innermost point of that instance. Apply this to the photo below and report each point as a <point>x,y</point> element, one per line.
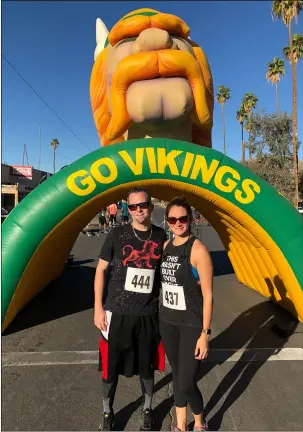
<point>180,344</point>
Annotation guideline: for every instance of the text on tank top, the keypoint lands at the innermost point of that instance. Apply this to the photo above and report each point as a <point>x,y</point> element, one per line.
<point>181,291</point>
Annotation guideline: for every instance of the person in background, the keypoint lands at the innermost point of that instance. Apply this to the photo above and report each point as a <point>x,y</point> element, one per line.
<point>102,221</point>
<point>112,211</point>
<point>185,310</point>
<point>125,217</point>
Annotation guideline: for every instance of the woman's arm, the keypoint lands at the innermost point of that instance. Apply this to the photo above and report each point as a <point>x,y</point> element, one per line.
<point>201,260</point>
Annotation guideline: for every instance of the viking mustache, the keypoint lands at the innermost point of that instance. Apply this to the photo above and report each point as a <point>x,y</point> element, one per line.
<point>149,65</point>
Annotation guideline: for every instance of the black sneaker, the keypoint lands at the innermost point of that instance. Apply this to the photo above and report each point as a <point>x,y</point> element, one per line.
<point>146,420</point>
<point>107,422</point>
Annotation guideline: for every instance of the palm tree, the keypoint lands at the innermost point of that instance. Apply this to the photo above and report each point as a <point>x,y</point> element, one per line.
<point>222,97</point>
<point>275,69</point>
<point>241,116</point>
<point>249,103</point>
<point>297,54</point>
<point>288,10</point>
<point>54,144</point>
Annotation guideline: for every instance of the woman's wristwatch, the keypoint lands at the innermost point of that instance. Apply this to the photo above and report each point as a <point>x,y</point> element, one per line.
<point>206,331</point>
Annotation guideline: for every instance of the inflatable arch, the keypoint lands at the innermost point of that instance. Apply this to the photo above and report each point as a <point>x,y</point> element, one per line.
<point>261,231</point>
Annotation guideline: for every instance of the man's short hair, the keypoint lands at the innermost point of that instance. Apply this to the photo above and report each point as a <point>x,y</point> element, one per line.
<point>139,190</point>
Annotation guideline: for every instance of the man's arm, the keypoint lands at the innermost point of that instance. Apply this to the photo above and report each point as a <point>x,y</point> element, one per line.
<point>99,282</point>
<point>100,314</point>
<point>105,259</point>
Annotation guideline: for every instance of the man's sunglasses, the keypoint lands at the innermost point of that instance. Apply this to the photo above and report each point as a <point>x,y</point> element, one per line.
<point>142,205</point>
<point>173,220</point>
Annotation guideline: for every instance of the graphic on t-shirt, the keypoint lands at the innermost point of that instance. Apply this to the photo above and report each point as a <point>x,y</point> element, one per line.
<point>169,268</point>
<point>141,257</point>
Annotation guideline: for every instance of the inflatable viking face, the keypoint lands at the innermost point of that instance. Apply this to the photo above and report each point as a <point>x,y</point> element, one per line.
<point>150,79</point>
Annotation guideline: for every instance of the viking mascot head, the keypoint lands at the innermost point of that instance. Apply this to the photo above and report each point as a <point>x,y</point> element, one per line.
<point>150,79</point>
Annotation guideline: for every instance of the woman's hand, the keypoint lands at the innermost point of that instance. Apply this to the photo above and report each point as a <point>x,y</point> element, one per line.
<point>201,351</point>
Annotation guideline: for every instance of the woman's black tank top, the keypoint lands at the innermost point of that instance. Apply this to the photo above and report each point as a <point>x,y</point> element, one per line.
<point>181,302</point>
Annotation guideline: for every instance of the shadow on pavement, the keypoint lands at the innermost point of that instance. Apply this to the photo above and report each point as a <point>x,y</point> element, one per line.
<point>72,292</point>
<point>259,326</point>
<point>81,262</point>
<point>221,263</point>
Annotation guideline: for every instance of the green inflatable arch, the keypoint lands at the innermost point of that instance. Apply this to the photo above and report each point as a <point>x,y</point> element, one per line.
<point>261,231</point>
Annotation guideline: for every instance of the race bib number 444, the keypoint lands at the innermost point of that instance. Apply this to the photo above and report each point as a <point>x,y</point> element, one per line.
<point>173,296</point>
<point>139,280</point>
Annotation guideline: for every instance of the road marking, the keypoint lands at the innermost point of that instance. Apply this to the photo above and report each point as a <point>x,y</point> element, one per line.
<point>55,358</point>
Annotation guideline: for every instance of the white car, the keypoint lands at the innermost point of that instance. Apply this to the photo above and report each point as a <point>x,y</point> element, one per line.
<point>300,209</point>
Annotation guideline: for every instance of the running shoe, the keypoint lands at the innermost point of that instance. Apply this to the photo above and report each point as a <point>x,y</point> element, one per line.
<point>107,422</point>
<point>146,424</point>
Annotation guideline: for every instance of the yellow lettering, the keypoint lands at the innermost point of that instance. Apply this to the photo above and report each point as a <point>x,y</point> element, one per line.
<point>187,164</point>
<point>168,160</point>
<point>113,172</point>
<point>207,173</point>
<point>247,186</point>
<point>151,159</point>
<point>87,182</point>
<point>229,185</point>
<point>136,167</point>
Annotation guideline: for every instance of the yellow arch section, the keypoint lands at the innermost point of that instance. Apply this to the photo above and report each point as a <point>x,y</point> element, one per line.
<point>258,260</point>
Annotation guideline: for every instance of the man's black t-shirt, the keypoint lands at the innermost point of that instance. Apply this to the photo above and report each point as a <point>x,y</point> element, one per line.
<point>134,281</point>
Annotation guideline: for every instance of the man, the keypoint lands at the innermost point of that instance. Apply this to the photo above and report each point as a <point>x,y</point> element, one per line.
<point>102,221</point>
<point>112,211</point>
<point>127,314</point>
<point>124,212</point>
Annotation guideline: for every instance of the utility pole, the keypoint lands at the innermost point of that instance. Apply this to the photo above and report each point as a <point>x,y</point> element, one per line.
<point>25,154</point>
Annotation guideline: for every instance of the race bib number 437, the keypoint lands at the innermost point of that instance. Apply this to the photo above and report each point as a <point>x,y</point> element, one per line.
<point>139,280</point>
<point>173,296</point>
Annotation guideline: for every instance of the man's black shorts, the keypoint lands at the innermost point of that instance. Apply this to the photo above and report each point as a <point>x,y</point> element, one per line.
<point>125,218</point>
<point>133,347</point>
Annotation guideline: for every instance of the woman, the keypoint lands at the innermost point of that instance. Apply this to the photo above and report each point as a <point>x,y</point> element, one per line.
<point>186,310</point>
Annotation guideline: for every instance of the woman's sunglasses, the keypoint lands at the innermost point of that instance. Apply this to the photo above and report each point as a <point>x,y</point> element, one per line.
<point>142,205</point>
<point>173,220</point>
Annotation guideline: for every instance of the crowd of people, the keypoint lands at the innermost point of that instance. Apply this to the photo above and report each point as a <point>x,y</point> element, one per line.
<point>108,216</point>
<point>153,298</point>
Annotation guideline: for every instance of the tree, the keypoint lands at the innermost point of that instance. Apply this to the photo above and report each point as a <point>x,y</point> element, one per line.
<point>241,117</point>
<point>289,10</point>
<point>271,142</point>
<point>54,144</point>
<point>297,54</point>
<point>249,103</point>
<point>275,69</point>
<point>301,184</point>
<point>222,97</point>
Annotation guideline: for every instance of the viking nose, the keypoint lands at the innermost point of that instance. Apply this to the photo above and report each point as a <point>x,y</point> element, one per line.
<point>153,39</point>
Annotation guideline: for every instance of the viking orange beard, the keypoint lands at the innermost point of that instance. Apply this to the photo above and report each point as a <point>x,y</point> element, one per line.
<point>150,65</point>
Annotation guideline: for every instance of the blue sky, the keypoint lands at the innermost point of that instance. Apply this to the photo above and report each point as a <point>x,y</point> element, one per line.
<point>52,45</point>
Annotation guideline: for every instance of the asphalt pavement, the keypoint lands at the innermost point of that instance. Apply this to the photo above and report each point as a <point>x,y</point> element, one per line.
<point>251,381</point>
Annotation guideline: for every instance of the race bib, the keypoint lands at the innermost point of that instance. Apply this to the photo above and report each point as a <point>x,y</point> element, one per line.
<point>173,296</point>
<point>139,280</point>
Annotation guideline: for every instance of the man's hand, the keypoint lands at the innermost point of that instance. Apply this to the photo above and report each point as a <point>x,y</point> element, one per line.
<point>201,351</point>
<point>100,318</point>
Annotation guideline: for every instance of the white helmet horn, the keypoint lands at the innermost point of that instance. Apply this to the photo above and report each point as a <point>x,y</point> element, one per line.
<point>101,35</point>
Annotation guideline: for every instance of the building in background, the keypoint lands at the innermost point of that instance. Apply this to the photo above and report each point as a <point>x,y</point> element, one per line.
<point>17,182</point>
